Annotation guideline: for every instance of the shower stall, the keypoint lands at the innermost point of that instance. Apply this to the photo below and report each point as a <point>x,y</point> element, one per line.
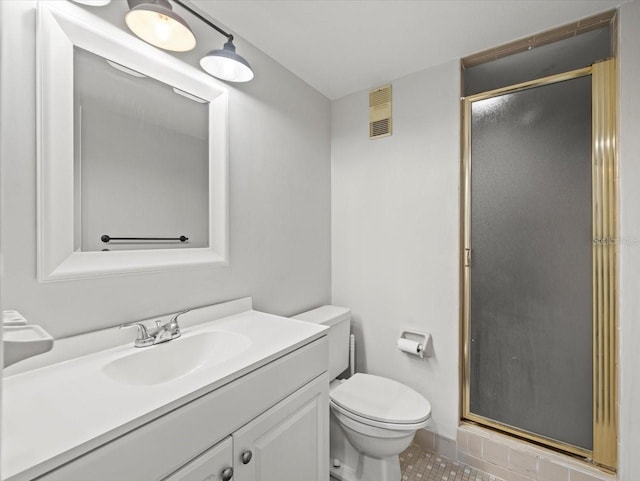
<point>539,261</point>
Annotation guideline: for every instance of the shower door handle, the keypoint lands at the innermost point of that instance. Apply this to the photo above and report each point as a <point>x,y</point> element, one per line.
<point>467,257</point>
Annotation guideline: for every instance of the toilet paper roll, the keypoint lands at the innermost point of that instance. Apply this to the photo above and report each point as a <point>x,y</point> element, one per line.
<point>412,347</point>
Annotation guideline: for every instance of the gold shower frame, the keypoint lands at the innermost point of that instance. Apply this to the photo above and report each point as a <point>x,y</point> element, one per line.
<point>604,259</point>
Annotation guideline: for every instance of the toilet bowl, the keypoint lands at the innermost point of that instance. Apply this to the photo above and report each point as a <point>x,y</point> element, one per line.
<point>378,418</point>
<point>372,418</point>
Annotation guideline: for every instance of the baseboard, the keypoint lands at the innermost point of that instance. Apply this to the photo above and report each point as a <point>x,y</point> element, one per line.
<point>436,443</point>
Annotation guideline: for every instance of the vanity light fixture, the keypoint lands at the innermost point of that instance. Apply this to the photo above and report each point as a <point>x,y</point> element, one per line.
<point>224,63</point>
<point>155,22</point>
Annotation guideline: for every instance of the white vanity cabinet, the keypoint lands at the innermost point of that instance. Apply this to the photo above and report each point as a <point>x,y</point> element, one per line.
<point>215,464</point>
<point>286,443</point>
<point>279,413</point>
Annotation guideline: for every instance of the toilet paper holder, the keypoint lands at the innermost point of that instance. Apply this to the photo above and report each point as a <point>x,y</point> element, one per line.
<point>415,342</point>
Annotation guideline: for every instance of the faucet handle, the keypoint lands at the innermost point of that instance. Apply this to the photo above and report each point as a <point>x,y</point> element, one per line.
<point>143,339</point>
<point>174,320</point>
<point>142,330</point>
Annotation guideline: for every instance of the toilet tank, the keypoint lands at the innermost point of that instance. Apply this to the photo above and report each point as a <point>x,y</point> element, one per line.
<point>337,319</point>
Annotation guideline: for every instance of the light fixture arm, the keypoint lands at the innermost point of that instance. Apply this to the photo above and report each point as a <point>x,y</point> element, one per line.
<point>204,19</point>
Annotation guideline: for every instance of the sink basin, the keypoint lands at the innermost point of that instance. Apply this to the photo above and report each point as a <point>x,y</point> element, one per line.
<point>174,359</point>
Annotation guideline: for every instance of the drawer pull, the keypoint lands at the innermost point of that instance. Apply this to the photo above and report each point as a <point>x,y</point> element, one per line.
<point>246,457</point>
<point>227,474</point>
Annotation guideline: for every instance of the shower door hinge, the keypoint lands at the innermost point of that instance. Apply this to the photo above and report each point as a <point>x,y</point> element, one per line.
<point>467,257</point>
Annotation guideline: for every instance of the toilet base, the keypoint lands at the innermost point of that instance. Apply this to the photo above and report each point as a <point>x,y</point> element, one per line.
<point>355,466</point>
<point>368,469</point>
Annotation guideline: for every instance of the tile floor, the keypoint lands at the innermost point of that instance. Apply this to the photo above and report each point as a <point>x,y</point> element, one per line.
<point>419,464</point>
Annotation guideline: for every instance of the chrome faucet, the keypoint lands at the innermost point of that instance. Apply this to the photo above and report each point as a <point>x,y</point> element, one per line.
<point>160,333</point>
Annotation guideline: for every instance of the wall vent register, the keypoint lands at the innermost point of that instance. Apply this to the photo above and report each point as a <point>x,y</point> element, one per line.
<point>380,112</point>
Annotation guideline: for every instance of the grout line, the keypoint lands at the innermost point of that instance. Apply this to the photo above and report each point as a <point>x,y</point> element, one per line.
<point>420,464</point>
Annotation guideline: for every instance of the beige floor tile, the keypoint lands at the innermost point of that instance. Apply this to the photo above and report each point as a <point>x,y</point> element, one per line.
<point>420,464</point>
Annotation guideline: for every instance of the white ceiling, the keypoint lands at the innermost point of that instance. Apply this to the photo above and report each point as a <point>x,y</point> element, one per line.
<point>343,46</point>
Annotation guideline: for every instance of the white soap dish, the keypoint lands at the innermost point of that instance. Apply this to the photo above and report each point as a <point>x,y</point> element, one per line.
<point>13,318</point>
<point>21,340</point>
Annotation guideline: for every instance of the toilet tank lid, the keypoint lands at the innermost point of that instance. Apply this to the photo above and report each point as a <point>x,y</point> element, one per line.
<point>326,315</point>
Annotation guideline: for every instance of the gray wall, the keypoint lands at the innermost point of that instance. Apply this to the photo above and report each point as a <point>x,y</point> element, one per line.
<point>279,199</point>
<point>395,232</point>
<point>629,245</point>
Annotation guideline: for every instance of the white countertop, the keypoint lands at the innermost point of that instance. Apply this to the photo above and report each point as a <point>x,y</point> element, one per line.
<point>58,412</point>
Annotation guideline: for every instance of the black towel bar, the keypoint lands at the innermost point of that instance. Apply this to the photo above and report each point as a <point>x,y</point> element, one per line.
<point>105,238</point>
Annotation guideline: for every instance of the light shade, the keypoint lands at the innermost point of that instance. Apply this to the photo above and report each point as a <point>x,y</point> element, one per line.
<point>156,23</point>
<point>226,64</point>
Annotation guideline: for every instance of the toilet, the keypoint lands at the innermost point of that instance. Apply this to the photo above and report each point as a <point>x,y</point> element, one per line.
<point>372,418</point>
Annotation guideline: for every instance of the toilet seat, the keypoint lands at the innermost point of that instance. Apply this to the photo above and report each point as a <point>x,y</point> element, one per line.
<point>381,402</point>
<point>366,422</point>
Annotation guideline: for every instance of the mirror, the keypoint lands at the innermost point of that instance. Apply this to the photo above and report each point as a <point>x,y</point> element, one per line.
<point>132,153</point>
<point>141,162</point>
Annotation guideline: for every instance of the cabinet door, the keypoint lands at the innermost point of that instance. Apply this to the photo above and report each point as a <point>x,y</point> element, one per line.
<point>290,441</point>
<point>215,464</point>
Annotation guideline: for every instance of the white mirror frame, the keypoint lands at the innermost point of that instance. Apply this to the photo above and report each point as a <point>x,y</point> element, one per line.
<point>61,26</point>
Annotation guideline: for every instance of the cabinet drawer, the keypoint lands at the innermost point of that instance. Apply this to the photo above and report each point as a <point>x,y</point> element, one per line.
<point>209,466</point>
<point>156,449</point>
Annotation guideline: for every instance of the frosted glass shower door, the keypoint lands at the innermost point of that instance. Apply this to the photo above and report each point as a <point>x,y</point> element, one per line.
<point>530,266</point>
